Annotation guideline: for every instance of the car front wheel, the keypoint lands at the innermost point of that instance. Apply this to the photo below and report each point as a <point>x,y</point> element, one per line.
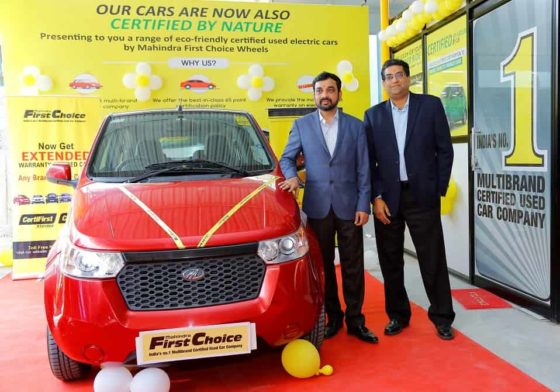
<point>317,334</point>
<point>63,367</point>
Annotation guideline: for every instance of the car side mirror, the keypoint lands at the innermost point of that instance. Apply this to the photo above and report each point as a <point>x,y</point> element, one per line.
<point>61,173</point>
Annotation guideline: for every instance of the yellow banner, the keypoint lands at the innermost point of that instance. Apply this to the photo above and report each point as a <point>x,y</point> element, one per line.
<point>199,342</point>
<point>43,130</point>
<point>137,55</point>
<point>447,72</point>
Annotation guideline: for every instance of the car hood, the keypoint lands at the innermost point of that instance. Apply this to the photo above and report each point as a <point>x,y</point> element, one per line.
<point>148,216</point>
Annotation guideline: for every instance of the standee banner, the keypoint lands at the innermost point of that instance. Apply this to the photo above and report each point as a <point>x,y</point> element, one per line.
<point>512,147</point>
<point>447,72</point>
<point>43,130</point>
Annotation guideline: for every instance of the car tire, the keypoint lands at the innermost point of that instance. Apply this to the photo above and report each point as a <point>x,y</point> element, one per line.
<point>63,367</point>
<point>188,86</point>
<point>317,334</point>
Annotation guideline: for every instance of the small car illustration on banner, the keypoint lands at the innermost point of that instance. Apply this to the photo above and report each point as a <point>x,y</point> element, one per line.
<point>84,84</point>
<point>197,84</point>
<point>65,198</point>
<point>21,200</point>
<point>38,199</point>
<point>52,198</point>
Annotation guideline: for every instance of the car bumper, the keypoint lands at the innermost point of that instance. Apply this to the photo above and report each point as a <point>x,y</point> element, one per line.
<point>91,323</point>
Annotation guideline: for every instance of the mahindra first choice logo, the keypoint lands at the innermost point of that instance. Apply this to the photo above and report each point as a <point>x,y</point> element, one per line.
<point>56,114</point>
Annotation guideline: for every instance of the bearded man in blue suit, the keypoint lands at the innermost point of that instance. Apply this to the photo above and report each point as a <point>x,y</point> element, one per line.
<point>411,157</point>
<point>337,197</point>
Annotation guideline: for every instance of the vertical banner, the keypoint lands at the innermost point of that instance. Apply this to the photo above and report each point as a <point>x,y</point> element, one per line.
<point>447,72</point>
<point>414,56</point>
<point>43,130</point>
<point>512,147</point>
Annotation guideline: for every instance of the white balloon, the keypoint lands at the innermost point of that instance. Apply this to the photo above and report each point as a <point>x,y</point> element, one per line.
<point>155,82</point>
<point>406,15</point>
<point>382,35</point>
<point>244,81</point>
<point>44,83</point>
<point>400,26</point>
<point>352,86</point>
<point>33,90</point>
<point>343,67</point>
<point>143,68</point>
<point>150,380</point>
<point>390,31</point>
<point>112,379</point>
<point>31,70</point>
<point>417,7</point>
<point>256,70</point>
<point>268,84</point>
<point>254,94</point>
<point>142,93</point>
<point>431,7</point>
<point>129,80</point>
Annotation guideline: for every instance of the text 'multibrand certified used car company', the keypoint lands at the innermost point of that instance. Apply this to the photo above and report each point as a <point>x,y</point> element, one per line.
<point>178,245</point>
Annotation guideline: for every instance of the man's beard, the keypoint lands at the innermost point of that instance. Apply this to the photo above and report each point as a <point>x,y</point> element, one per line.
<point>328,107</point>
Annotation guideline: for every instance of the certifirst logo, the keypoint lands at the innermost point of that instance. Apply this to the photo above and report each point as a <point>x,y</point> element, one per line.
<point>51,114</point>
<point>37,219</point>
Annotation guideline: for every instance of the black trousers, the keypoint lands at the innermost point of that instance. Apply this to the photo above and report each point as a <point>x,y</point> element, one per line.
<point>425,229</point>
<point>351,250</point>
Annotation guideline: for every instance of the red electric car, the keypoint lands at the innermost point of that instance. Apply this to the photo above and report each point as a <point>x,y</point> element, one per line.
<point>177,222</point>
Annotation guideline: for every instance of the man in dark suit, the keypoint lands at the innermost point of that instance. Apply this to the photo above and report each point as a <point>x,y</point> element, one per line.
<point>337,197</point>
<point>411,155</point>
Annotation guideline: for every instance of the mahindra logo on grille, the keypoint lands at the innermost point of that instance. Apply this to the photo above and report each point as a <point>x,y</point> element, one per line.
<point>193,274</point>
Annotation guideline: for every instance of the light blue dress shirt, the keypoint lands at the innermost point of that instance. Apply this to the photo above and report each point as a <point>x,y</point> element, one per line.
<point>400,121</point>
<point>330,131</point>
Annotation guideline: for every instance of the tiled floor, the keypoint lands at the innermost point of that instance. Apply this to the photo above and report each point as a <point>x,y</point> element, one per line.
<point>524,339</point>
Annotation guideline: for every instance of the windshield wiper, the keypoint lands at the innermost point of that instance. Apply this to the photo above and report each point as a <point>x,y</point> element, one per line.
<point>188,166</point>
<point>221,165</point>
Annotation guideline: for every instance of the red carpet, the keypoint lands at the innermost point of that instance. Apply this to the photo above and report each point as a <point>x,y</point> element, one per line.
<point>479,299</point>
<point>416,360</point>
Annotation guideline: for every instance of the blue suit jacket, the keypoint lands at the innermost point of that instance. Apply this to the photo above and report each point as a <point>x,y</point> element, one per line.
<point>341,181</point>
<point>428,151</point>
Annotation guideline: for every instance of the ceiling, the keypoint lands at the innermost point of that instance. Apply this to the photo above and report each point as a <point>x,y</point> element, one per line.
<point>395,8</point>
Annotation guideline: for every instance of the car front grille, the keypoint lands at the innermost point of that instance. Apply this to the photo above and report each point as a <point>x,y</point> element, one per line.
<point>161,285</point>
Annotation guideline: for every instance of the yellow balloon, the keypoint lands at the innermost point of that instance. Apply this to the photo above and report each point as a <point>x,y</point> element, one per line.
<point>446,205</point>
<point>416,23</point>
<point>326,370</point>
<point>301,359</point>
<point>439,14</point>
<point>451,190</point>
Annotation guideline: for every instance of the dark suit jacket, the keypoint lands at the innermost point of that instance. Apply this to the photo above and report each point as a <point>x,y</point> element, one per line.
<point>341,181</point>
<point>428,151</point>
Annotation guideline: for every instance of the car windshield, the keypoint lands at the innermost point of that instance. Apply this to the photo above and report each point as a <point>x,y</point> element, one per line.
<point>137,144</point>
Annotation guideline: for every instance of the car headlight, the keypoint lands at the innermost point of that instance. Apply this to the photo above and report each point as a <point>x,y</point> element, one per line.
<point>282,249</point>
<point>87,264</point>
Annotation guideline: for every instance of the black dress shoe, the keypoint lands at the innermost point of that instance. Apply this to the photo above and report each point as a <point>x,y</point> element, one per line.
<point>332,328</point>
<point>445,332</point>
<point>394,327</point>
<point>362,333</point>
